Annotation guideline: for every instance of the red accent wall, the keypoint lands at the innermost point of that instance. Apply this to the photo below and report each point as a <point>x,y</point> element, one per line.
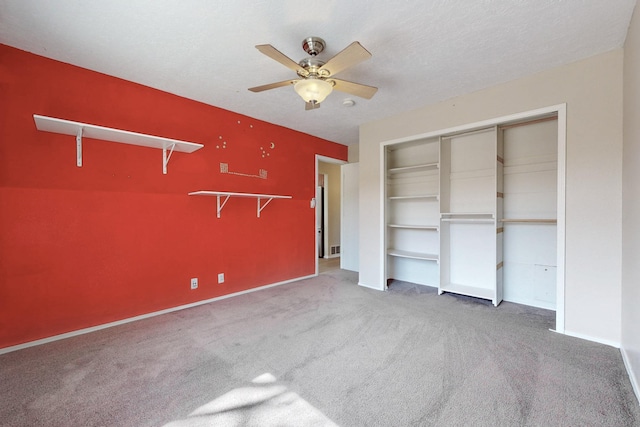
<point>116,238</point>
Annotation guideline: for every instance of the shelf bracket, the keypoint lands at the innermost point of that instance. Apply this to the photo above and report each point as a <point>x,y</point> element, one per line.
<point>79,147</point>
<point>220,206</point>
<point>165,158</point>
<point>261,207</point>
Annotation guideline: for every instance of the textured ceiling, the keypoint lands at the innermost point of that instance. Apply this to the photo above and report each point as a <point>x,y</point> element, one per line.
<point>423,51</point>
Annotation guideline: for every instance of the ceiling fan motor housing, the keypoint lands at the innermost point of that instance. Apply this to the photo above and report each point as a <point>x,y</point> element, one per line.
<point>312,68</point>
<point>313,45</point>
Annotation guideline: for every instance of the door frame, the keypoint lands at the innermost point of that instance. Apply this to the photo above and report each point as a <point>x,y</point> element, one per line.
<point>561,111</point>
<point>324,159</point>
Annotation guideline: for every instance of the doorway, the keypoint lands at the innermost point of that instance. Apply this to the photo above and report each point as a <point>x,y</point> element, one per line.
<point>322,213</point>
<point>328,208</point>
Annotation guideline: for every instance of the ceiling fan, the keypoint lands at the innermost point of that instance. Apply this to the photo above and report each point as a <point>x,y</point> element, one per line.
<point>316,77</point>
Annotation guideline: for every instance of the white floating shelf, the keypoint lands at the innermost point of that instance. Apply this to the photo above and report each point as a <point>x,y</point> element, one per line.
<point>226,195</point>
<point>80,130</point>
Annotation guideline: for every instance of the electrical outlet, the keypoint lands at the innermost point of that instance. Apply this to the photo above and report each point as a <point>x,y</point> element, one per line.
<point>194,283</point>
<point>220,277</point>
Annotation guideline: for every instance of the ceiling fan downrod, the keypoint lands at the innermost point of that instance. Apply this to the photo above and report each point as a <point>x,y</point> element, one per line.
<point>313,45</point>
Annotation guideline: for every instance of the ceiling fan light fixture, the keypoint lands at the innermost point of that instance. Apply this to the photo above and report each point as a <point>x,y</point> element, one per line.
<point>313,90</point>
<point>316,78</point>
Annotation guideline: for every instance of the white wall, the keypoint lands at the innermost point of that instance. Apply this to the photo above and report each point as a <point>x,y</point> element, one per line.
<point>592,90</point>
<point>631,205</point>
<point>354,153</point>
<point>349,257</point>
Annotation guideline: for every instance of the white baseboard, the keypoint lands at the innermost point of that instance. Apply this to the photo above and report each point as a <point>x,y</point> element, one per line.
<point>632,376</point>
<point>615,344</point>
<point>141,317</point>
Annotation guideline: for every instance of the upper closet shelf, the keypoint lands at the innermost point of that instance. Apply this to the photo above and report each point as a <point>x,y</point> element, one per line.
<point>486,217</point>
<point>226,196</point>
<point>77,129</point>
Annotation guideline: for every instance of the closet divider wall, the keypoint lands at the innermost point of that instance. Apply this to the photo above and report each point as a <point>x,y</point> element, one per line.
<point>471,242</point>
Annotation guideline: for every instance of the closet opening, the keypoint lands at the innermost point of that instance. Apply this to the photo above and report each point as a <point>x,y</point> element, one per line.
<point>478,210</point>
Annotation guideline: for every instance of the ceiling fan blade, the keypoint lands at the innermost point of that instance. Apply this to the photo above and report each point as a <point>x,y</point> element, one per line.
<point>349,56</point>
<point>272,85</point>
<point>357,89</point>
<point>311,105</point>
<point>275,54</point>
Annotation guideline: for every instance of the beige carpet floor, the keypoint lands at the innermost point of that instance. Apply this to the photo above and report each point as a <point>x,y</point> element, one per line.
<point>323,351</point>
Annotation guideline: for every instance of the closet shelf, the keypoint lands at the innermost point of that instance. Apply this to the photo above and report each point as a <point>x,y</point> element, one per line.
<point>414,255</point>
<point>531,220</point>
<point>469,214</point>
<point>419,196</point>
<point>416,168</point>
<point>481,217</point>
<point>414,227</point>
<point>80,130</point>
<point>476,220</point>
<point>472,291</point>
<point>226,195</point>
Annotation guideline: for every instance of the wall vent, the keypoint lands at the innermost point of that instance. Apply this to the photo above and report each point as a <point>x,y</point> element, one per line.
<point>335,250</point>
